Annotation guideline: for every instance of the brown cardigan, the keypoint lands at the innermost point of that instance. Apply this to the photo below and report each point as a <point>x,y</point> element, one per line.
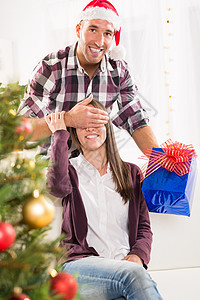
<point>63,183</point>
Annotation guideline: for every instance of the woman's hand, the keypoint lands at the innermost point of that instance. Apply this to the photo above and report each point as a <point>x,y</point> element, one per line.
<point>55,121</point>
<point>134,258</point>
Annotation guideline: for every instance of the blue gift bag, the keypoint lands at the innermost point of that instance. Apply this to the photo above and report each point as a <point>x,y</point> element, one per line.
<point>166,192</point>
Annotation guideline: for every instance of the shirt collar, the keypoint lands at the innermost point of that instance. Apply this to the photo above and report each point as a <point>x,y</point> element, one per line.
<point>81,164</point>
<point>72,58</point>
<point>106,64</point>
<point>73,62</point>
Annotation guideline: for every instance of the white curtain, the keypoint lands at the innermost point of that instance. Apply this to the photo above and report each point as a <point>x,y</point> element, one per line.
<point>162,39</point>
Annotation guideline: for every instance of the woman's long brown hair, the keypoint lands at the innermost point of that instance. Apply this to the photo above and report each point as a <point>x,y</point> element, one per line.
<point>120,170</point>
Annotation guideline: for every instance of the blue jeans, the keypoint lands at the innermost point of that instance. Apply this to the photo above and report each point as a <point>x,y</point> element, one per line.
<point>106,279</point>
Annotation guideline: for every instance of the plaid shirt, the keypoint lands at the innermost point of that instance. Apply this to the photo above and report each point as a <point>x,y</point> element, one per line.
<point>59,82</point>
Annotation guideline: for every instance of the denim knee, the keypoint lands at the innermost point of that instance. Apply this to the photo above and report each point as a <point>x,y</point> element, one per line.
<point>135,279</point>
<point>132,270</point>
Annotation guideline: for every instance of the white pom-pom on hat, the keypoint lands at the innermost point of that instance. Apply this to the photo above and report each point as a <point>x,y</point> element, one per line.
<point>117,52</point>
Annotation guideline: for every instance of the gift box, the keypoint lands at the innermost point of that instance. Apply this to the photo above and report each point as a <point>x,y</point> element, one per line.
<point>170,177</point>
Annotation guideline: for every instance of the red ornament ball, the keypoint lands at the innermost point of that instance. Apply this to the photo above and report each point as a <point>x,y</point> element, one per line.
<point>25,126</point>
<point>64,283</point>
<point>20,297</point>
<point>7,235</point>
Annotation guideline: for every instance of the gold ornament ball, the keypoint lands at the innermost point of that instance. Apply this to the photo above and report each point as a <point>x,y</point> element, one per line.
<point>38,212</point>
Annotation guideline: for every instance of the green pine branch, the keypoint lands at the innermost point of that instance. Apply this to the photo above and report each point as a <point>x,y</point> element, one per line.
<point>26,263</point>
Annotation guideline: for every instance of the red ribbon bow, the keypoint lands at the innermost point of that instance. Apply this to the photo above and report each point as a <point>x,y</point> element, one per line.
<point>175,158</point>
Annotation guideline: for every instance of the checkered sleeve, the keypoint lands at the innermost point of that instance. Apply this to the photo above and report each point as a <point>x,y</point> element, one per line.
<point>131,115</point>
<point>37,98</point>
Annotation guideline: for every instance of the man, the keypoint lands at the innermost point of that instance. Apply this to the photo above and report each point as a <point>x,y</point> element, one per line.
<point>85,71</point>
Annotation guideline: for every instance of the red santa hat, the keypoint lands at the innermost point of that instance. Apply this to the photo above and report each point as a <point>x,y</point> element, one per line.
<point>104,10</point>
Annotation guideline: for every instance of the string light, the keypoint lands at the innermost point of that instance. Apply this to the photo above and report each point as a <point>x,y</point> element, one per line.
<point>53,273</point>
<point>36,193</point>
<point>32,164</point>
<point>12,112</point>
<point>168,47</point>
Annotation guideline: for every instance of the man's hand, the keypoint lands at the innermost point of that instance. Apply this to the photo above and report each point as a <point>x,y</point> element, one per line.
<point>134,258</point>
<point>55,121</point>
<point>82,115</point>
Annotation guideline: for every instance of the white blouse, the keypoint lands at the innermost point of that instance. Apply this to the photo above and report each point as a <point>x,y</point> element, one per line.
<point>107,215</point>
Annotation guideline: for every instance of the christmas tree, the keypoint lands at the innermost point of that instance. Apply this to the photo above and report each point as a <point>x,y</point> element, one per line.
<point>27,258</point>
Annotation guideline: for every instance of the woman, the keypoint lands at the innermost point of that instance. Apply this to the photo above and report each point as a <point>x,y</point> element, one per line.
<point>105,217</point>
